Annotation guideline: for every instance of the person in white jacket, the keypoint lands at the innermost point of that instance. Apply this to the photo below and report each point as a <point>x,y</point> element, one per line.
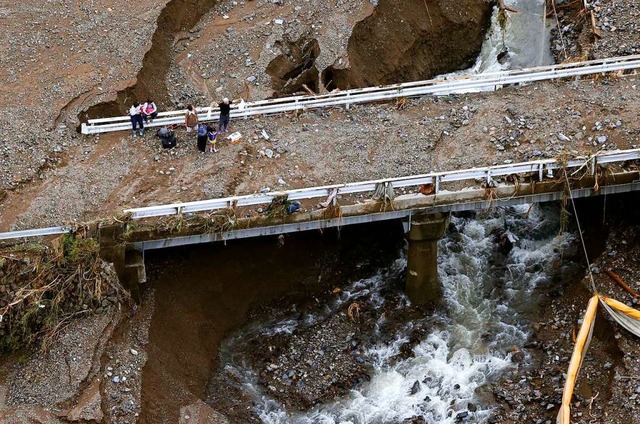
<point>135,112</point>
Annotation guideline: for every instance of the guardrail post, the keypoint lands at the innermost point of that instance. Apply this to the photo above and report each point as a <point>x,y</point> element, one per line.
<point>540,171</point>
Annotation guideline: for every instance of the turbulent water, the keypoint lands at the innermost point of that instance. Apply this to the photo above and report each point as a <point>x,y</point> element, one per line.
<point>522,42</point>
<point>487,295</point>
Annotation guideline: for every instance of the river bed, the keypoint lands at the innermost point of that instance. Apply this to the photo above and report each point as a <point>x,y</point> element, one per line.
<point>267,334</point>
<point>490,292</point>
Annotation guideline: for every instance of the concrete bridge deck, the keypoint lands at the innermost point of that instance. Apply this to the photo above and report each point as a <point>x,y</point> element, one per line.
<point>354,203</point>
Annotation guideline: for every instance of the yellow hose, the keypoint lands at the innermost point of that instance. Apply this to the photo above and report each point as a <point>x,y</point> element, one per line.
<point>582,344</point>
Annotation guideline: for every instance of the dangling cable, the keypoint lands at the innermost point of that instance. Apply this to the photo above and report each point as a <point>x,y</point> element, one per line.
<point>584,246</point>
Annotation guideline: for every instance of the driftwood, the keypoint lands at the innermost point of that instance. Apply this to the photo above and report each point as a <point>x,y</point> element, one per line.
<point>624,285</point>
<point>596,32</point>
<point>308,90</point>
<point>503,6</point>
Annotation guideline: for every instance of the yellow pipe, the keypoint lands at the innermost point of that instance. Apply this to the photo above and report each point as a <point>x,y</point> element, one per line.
<point>582,344</point>
<point>633,313</point>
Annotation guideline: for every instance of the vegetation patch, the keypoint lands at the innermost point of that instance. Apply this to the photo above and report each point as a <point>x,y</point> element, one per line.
<point>43,286</point>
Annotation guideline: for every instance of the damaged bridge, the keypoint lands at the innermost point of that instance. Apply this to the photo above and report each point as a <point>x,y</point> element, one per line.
<point>422,202</point>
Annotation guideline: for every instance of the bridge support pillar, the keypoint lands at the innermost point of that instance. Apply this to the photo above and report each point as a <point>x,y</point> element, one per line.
<point>128,264</point>
<point>423,286</point>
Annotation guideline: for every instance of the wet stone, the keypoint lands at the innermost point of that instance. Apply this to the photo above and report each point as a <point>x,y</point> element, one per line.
<point>462,415</point>
<point>415,388</point>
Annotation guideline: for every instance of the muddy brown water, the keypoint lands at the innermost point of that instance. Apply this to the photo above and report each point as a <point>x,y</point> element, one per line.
<point>205,292</point>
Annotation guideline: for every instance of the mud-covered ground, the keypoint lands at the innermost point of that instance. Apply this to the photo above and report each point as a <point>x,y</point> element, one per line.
<point>54,67</point>
<point>90,373</point>
<point>60,176</point>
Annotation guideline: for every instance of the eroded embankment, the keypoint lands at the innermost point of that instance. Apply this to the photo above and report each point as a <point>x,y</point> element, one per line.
<point>401,41</point>
<point>410,40</point>
<point>176,17</point>
<point>606,388</point>
<point>202,294</point>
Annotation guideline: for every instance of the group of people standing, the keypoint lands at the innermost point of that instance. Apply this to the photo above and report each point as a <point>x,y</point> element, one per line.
<point>206,133</point>
<point>148,111</point>
<point>142,113</point>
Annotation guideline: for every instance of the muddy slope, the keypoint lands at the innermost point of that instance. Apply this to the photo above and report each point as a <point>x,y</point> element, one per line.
<point>409,40</point>
<point>178,17</point>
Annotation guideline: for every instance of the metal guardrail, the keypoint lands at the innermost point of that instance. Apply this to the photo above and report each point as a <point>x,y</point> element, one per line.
<point>539,168</point>
<point>465,84</point>
<point>39,232</point>
<point>275,230</point>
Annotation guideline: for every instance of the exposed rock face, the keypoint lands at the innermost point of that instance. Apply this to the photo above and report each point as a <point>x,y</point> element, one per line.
<point>409,40</point>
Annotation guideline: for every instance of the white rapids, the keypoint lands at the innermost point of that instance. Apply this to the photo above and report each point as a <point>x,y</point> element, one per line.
<point>522,42</point>
<point>470,339</point>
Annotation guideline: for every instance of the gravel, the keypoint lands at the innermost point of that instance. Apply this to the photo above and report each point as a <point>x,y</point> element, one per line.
<point>53,67</point>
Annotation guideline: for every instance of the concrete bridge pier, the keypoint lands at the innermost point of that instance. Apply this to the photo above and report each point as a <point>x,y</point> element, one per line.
<point>423,286</point>
<point>128,263</point>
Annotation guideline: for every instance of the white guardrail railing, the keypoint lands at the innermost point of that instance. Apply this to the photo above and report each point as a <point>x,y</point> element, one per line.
<point>538,168</point>
<point>464,84</point>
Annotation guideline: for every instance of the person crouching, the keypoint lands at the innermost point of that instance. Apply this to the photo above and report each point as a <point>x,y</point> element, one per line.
<point>149,111</point>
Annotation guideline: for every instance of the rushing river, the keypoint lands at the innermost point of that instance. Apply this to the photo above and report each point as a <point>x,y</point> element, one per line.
<point>521,42</point>
<point>488,296</point>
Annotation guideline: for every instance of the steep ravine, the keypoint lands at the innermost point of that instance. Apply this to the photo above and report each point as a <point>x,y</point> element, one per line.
<point>177,16</point>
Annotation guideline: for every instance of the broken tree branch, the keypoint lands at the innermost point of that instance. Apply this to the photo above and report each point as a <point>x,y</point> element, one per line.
<point>624,285</point>
<point>503,6</point>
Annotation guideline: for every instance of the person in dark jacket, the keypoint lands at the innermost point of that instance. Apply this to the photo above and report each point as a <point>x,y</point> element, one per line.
<point>203,136</point>
<point>167,137</point>
<point>225,115</point>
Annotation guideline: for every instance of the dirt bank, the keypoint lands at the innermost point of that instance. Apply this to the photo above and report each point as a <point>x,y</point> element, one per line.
<point>85,177</point>
<point>411,40</point>
<point>175,20</point>
<point>607,387</point>
<point>90,371</point>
